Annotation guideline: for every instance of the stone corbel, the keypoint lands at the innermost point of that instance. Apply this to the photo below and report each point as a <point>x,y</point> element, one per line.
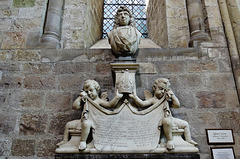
<point>52,27</point>
<point>196,21</point>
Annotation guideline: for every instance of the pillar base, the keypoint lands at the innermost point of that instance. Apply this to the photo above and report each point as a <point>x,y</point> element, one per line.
<point>199,36</point>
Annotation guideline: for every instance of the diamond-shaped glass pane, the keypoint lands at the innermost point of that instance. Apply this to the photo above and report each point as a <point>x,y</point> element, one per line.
<point>138,9</point>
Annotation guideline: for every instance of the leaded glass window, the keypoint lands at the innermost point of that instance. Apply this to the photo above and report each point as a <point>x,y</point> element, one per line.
<point>138,9</point>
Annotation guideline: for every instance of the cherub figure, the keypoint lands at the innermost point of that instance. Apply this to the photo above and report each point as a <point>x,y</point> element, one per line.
<point>91,89</point>
<point>161,90</point>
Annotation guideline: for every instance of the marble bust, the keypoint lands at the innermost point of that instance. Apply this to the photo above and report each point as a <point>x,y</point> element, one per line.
<point>124,38</point>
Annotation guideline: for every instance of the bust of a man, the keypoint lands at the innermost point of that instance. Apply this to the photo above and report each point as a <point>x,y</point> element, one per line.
<point>124,38</point>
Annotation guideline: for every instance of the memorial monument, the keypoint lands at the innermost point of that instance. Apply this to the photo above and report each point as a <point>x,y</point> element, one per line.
<point>126,124</point>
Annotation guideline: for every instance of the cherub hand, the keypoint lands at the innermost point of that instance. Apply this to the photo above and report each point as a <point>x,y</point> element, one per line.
<point>119,95</point>
<point>133,95</point>
<point>83,95</point>
<point>169,94</point>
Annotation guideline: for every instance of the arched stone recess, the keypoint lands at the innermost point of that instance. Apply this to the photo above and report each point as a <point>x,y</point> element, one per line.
<point>78,24</point>
<point>72,24</point>
<point>82,23</point>
<point>177,24</point>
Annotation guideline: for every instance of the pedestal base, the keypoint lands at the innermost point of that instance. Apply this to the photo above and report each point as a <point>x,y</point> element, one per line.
<point>129,156</point>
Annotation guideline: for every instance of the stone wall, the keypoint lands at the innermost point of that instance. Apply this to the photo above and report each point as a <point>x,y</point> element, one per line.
<point>38,88</point>
<point>157,25</point>
<point>168,23</point>
<point>20,23</point>
<point>38,85</point>
<point>82,23</point>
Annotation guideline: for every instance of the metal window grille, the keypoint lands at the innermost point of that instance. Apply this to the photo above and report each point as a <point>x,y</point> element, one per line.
<point>138,9</point>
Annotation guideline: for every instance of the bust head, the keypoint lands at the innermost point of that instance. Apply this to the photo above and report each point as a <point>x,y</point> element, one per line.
<point>123,17</point>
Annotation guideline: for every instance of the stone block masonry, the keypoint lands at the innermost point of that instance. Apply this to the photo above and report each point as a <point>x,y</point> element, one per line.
<point>38,88</point>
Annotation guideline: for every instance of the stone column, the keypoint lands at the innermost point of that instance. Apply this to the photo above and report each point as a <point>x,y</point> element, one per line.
<point>196,21</point>
<point>232,43</point>
<point>52,28</point>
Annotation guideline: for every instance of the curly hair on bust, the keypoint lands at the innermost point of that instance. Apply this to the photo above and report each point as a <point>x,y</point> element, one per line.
<point>120,9</point>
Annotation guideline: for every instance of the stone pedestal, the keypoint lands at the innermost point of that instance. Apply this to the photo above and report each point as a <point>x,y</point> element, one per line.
<point>129,156</point>
<point>125,76</point>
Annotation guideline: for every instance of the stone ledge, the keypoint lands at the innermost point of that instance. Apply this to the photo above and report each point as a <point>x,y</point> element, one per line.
<point>130,156</point>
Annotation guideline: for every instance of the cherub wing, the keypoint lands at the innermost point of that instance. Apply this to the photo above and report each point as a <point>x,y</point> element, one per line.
<point>104,96</point>
<point>147,94</point>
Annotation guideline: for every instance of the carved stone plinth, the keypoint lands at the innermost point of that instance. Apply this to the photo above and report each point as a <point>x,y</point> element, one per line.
<point>125,76</point>
<point>129,156</point>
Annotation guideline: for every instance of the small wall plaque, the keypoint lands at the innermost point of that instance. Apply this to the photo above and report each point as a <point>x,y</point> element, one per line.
<point>220,136</point>
<point>222,153</point>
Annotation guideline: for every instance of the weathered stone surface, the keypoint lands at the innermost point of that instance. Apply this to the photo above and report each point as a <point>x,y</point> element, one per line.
<point>23,3</point>
<point>46,147</point>
<point>221,81</point>
<point>229,120</point>
<point>202,67</point>
<point>157,25</point>
<point>59,101</point>
<point>31,124</point>
<point>32,99</point>
<point>7,122</point>
<point>36,68</point>
<point>23,147</point>
<point>13,40</point>
<point>10,81</point>
<point>71,82</point>
<point>9,67</point>
<point>40,82</point>
<point>57,128</point>
<point>202,121</point>
<point>215,99</point>
<point>1,148</point>
<point>103,69</point>
<point>186,97</point>
<point>72,68</point>
<point>29,55</point>
<point>190,80</point>
<point>5,24</point>
<point>147,68</point>
<point>174,67</point>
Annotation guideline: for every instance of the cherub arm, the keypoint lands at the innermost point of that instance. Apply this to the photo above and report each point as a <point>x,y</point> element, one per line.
<point>113,102</point>
<point>140,102</point>
<point>77,102</point>
<point>173,98</point>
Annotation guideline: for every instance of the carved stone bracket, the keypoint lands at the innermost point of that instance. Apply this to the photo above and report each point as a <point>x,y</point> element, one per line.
<point>125,76</point>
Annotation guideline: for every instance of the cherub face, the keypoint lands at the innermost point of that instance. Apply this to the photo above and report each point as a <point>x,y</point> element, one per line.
<point>159,92</point>
<point>161,88</point>
<point>91,91</point>
<point>123,18</point>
